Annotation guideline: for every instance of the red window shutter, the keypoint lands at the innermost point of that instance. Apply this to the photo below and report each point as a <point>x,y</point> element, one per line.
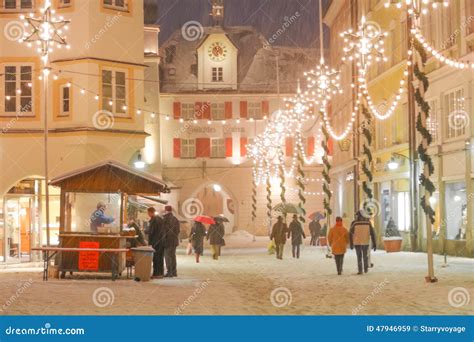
<point>177,148</point>
<point>206,110</point>
<point>330,146</point>
<point>310,150</point>
<point>243,110</point>
<point>228,147</point>
<point>265,108</point>
<point>228,110</point>
<point>177,110</point>
<point>289,147</point>
<point>243,147</point>
<point>203,147</point>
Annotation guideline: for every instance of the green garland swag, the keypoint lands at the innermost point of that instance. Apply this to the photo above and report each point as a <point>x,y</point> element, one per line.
<point>300,183</point>
<point>367,152</point>
<point>325,173</point>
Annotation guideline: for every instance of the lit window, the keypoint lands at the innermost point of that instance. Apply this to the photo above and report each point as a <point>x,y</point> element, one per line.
<point>456,117</point>
<point>255,110</point>
<point>114,90</point>
<point>65,100</point>
<point>121,5</point>
<point>16,5</point>
<point>187,111</point>
<point>432,122</point>
<point>65,3</point>
<point>217,148</point>
<point>188,148</point>
<point>217,75</point>
<point>218,111</point>
<point>18,89</point>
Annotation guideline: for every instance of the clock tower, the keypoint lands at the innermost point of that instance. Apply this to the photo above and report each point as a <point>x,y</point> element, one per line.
<point>217,12</point>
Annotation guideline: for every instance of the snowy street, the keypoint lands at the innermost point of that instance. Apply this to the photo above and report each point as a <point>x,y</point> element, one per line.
<point>248,281</point>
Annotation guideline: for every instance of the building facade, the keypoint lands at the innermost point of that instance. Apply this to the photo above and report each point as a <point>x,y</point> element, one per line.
<point>450,95</point>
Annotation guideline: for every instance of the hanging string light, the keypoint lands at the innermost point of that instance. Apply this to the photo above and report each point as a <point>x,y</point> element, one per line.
<point>417,10</point>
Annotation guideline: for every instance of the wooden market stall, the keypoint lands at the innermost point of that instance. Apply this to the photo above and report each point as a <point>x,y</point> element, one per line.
<point>109,182</point>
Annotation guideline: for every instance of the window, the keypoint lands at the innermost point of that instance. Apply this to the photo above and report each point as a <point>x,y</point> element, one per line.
<point>217,148</point>
<point>121,5</point>
<point>188,148</point>
<point>65,3</point>
<point>255,110</point>
<point>187,111</point>
<point>456,211</point>
<point>455,116</point>
<point>65,100</point>
<point>114,90</point>
<point>18,89</point>
<point>432,122</point>
<point>470,16</point>
<point>16,5</point>
<point>217,75</point>
<point>448,25</point>
<point>218,111</point>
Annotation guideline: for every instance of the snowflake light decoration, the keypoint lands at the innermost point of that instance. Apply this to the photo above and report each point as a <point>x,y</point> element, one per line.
<point>322,84</point>
<point>298,107</point>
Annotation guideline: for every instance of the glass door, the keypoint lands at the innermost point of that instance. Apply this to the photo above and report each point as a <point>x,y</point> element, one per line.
<point>18,222</point>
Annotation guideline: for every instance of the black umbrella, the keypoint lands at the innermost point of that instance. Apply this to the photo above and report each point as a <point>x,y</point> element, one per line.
<point>221,218</point>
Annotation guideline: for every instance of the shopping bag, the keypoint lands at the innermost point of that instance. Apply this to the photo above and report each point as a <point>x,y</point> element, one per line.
<point>189,249</point>
<point>271,247</point>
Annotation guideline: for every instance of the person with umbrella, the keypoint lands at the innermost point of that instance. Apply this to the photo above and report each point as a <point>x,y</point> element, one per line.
<point>297,235</point>
<point>198,233</point>
<point>315,228</point>
<point>215,235</point>
<point>278,234</point>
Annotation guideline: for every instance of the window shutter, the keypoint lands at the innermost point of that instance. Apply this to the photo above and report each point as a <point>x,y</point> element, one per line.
<point>310,150</point>
<point>177,110</point>
<point>289,147</point>
<point>243,110</point>
<point>228,110</point>
<point>206,111</point>
<point>228,147</point>
<point>265,108</point>
<point>243,147</point>
<point>203,147</point>
<point>176,148</point>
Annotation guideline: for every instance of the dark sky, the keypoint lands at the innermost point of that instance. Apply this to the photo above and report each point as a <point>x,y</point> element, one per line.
<point>267,16</point>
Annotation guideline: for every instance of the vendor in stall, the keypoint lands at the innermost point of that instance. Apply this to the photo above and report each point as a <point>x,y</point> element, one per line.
<point>98,217</point>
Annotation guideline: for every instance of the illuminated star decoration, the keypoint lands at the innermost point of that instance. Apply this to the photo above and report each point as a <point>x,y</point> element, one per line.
<point>298,107</point>
<point>417,7</point>
<point>46,31</point>
<point>322,84</point>
<point>365,45</point>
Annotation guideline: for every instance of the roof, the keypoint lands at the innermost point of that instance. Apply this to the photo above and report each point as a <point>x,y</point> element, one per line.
<point>111,177</point>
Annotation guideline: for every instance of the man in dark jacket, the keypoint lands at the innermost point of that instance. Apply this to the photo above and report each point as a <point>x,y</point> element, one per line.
<point>359,236</point>
<point>279,231</point>
<point>215,235</point>
<point>297,235</point>
<point>171,228</point>
<point>315,230</point>
<point>156,240</point>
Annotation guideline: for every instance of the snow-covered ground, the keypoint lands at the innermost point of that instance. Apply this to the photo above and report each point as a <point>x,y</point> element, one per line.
<point>248,281</point>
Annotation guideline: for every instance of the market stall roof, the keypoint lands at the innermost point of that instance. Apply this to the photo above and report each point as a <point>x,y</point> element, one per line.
<point>110,177</point>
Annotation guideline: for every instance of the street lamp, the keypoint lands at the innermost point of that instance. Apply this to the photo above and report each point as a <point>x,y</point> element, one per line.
<point>46,33</point>
<point>139,163</point>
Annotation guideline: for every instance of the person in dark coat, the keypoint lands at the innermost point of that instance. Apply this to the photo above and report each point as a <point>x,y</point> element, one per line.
<point>215,235</point>
<point>360,234</point>
<point>297,235</point>
<point>196,237</point>
<point>278,234</point>
<point>156,240</point>
<point>140,239</point>
<point>315,230</point>
<point>171,228</point>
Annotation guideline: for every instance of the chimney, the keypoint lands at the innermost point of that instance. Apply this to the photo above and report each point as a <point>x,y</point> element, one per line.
<point>217,13</point>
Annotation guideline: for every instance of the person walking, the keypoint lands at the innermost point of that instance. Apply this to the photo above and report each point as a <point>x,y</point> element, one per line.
<point>315,230</point>
<point>171,228</point>
<point>215,235</point>
<point>361,233</point>
<point>297,235</point>
<point>338,239</point>
<point>278,234</point>
<point>156,240</point>
<point>197,235</point>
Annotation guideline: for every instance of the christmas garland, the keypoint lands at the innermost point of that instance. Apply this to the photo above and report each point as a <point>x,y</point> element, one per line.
<point>281,173</point>
<point>325,173</point>
<point>299,180</point>
<point>422,117</point>
<point>367,153</point>
<point>254,198</point>
<point>269,200</point>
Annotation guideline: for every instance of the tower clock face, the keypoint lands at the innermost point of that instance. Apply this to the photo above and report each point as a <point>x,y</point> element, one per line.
<point>217,51</point>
